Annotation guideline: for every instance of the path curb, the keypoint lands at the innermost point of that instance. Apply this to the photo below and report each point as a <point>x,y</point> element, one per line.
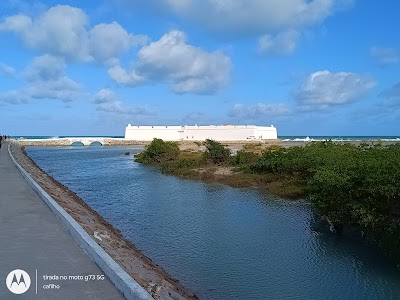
<point>121,280</point>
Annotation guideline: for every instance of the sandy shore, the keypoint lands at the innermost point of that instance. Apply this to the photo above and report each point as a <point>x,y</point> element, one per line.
<point>148,274</point>
<point>261,145</point>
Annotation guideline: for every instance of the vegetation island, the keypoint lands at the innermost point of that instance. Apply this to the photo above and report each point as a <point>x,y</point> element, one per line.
<point>352,186</point>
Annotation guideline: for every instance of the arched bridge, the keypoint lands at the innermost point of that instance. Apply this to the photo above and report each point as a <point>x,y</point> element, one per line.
<point>86,141</point>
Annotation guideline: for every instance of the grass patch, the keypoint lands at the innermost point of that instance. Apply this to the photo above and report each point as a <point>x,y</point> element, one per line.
<point>252,146</point>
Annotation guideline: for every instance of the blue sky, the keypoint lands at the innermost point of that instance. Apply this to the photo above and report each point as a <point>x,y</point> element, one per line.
<point>309,67</point>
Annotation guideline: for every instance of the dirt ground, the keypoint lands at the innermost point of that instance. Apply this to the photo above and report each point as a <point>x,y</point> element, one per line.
<point>142,269</point>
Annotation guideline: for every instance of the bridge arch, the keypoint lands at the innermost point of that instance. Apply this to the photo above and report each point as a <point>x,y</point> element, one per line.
<point>96,143</point>
<point>87,141</point>
<point>77,144</point>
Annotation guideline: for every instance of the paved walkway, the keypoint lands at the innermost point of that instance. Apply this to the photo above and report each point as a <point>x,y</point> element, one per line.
<point>32,238</point>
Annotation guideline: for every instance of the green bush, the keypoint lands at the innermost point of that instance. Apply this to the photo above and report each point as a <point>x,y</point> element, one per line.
<point>158,151</point>
<point>216,153</point>
<point>182,166</point>
<point>368,182</point>
<point>304,160</point>
<point>245,158</point>
<point>350,185</point>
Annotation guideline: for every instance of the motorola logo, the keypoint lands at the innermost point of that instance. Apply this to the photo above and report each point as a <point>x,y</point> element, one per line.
<point>18,281</point>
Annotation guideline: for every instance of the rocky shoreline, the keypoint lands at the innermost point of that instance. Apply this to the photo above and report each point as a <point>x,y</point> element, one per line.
<point>142,269</point>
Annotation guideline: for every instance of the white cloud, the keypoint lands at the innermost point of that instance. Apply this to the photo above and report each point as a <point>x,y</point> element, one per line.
<point>104,96</point>
<point>248,17</point>
<point>187,69</point>
<point>259,110</point>
<point>14,97</point>
<point>45,79</point>
<point>17,23</point>
<point>124,77</point>
<point>45,67</point>
<point>63,88</point>
<point>107,101</point>
<point>283,43</point>
<point>385,56</point>
<point>108,42</point>
<point>7,70</point>
<point>323,89</point>
<point>270,20</point>
<point>63,31</point>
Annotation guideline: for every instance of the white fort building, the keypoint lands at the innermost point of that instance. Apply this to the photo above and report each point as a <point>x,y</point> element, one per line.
<point>201,133</point>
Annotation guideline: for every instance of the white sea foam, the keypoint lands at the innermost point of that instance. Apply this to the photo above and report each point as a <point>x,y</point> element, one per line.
<point>307,139</point>
<point>346,139</point>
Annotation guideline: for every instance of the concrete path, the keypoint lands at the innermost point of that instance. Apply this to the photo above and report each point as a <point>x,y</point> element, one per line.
<point>34,240</point>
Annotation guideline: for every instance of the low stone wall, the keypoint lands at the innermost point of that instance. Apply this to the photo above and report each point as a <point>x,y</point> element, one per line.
<point>123,142</point>
<point>51,143</point>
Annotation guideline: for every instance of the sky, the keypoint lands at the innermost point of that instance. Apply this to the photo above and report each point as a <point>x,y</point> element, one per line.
<point>308,67</point>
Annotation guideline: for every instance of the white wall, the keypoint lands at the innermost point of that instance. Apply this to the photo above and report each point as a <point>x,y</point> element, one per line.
<point>219,133</point>
<point>148,133</point>
<point>200,133</point>
<point>266,133</point>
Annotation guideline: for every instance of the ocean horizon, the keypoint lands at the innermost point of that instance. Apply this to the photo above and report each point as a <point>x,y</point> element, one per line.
<point>284,138</point>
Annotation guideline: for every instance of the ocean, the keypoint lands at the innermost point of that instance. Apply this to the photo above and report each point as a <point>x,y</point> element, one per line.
<point>283,138</point>
<point>338,138</point>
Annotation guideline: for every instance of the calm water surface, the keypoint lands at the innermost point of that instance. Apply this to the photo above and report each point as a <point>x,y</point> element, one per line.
<point>223,243</point>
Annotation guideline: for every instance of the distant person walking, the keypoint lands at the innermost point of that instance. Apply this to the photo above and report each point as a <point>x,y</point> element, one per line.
<point>1,138</point>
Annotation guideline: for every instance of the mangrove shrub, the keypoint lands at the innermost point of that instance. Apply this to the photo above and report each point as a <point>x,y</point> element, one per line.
<point>216,153</point>
<point>158,151</point>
